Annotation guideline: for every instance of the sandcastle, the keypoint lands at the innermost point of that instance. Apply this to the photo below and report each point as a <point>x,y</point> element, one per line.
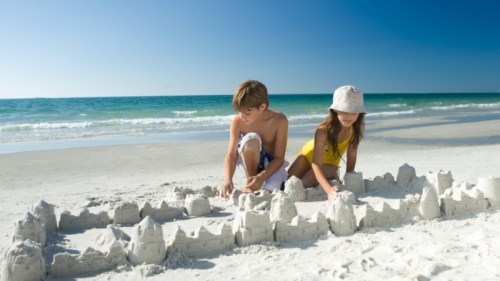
<point>30,227</point>
<point>23,261</point>
<point>147,244</point>
<point>197,205</point>
<point>435,195</point>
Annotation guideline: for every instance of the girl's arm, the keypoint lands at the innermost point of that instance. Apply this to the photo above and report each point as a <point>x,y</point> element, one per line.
<point>317,163</point>
<point>230,160</point>
<point>352,154</point>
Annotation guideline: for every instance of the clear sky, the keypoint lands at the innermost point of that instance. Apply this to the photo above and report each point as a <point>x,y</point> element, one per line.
<point>134,48</point>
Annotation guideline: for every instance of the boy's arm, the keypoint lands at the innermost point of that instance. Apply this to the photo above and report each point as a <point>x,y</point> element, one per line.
<point>230,160</point>
<point>255,183</point>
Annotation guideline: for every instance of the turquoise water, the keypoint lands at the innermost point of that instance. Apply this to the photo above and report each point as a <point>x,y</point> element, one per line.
<point>83,119</point>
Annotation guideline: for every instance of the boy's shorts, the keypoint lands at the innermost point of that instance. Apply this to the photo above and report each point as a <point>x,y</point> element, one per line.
<point>275,180</point>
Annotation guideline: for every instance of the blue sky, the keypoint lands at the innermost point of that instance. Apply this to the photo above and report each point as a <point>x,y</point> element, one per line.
<point>135,48</point>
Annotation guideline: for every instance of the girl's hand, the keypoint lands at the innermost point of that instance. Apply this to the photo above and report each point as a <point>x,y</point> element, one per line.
<point>333,194</point>
<point>226,190</point>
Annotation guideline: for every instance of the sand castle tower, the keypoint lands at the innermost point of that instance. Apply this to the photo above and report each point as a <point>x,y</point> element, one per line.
<point>491,189</point>
<point>341,218</point>
<point>429,205</point>
<point>30,227</point>
<point>197,205</point>
<point>46,212</point>
<point>406,174</point>
<point>295,189</point>
<point>147,244</point>
<point>440,181</point>
<point>354,182</point>
<point>23,261</point>
<point>282,208</point>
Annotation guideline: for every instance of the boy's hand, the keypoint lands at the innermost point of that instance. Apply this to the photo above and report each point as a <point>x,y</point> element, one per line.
<point>226,190</point>
<point>253,184</point>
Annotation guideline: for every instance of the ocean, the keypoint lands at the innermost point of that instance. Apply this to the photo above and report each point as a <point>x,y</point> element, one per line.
<point>46,123</point>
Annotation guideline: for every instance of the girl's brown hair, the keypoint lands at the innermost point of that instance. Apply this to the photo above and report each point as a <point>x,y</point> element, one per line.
<point>333,128</point>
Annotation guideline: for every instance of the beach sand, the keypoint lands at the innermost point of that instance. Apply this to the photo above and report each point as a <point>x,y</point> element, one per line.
<point>462,247</point>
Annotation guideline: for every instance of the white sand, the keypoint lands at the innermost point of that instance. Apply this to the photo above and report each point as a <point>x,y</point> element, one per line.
<point>464,247</point>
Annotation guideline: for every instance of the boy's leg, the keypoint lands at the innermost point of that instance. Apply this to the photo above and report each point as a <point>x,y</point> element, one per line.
<point>249,148</point>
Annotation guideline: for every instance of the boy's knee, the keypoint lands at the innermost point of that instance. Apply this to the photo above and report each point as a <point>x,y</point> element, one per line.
<point>252,145</point>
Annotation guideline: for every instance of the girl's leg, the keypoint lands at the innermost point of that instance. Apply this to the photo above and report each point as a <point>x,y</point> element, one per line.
<point>299,167</point>
<point>250,157</point>
<point>309,179</point>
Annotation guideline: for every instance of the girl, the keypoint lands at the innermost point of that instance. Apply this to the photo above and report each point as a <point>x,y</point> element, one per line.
<point>318,161</point>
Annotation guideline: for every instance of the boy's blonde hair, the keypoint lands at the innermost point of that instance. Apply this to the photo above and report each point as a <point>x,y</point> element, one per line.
<point>250,94</point>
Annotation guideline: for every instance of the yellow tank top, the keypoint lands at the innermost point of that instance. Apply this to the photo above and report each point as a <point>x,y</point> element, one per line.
<point>328,156</point>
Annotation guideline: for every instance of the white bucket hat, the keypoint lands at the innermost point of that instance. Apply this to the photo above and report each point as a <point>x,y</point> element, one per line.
<point>348,99</point>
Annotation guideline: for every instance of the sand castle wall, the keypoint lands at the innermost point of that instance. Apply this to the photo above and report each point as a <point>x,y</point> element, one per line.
<point>126,213</point>
<point>46,212</point>
<point>249,201</point>
<point>459,202</point>
<point>147,244</point>
<point>202,241</point>
<point>387,181</point>
<point>384,216</point>
<point>30,227</point>
<point>161,213</point>
<point>252,227</point>
<point>23,261</point>
<point>65,264</point>
<point>84,220</point>
<point>300,229</point>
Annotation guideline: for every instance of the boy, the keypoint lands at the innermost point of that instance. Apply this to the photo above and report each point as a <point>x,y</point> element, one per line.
<point>257,141</point>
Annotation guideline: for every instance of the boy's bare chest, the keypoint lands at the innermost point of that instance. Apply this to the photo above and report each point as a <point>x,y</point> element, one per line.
<point>266,132</point>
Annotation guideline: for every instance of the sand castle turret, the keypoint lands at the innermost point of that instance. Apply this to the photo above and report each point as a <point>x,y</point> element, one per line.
<point>354,182</point>
<point>282,208</point>
<point>46,212</point>
<point>30,227</point>
<point>341,218</point>
<point>147,244</point>
<point>126,213</point>
<point>406,174</point>
<point>202,241</point>
<point>161,213</point>
<point>23,261</point>
<point>429,205</point>
<point>491,189</point>
<point>197,205</point>
<point>295,189</point>
<point>387,181</point>
<point>440,181</point>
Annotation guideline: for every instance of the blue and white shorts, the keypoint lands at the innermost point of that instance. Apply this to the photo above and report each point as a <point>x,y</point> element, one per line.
<point>275,180</point>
